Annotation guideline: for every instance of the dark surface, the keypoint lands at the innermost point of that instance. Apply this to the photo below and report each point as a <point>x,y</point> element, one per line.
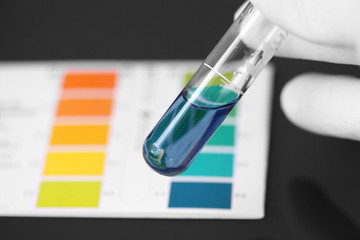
<point>313,181</point>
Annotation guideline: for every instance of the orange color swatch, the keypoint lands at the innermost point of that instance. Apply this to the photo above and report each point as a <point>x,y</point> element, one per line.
<point>79,134</point>
<point>84,107</point>
<point>90,80</point>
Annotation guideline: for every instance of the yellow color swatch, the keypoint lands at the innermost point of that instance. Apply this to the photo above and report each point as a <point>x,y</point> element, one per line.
<point>69,194</point>
<point>74,163</point>
<point>79,134</point>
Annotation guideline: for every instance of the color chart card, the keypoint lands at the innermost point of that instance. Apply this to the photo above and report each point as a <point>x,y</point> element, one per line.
<point>71,136</point>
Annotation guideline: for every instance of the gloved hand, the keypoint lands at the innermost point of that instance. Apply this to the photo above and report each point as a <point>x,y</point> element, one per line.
<point>322,30</point>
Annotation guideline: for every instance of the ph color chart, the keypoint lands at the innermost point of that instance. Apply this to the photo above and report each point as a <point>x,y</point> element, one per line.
<point>71,137</point>
<point>77,147</point>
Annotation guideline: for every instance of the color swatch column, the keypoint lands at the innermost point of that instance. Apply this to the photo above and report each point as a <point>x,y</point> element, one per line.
<point>76,155</point>
<point>207,183</point>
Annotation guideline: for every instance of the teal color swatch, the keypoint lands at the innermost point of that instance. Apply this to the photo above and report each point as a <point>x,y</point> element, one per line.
<point>224,136</point>
<point>211,164</point>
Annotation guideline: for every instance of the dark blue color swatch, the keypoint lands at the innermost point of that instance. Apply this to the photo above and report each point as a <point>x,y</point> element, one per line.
<point>200,195</point>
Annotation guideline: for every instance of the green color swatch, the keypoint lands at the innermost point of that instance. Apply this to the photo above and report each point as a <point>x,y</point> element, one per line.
<point>224,136</point>
<point>215,80</point>
<point>69,194</point>
<point>187,77</point>
<point>233,112</point>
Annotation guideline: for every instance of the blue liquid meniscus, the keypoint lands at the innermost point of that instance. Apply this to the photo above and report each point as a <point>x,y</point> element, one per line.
<point>186,127</point>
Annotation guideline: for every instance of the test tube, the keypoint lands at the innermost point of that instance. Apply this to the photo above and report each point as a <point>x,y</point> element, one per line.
<point>212,92</point>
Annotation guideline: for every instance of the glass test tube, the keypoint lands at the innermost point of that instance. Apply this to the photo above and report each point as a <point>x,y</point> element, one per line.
<point>212,92</point>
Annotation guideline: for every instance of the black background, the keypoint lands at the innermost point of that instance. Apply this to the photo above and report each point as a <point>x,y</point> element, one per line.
<point>313,181</point>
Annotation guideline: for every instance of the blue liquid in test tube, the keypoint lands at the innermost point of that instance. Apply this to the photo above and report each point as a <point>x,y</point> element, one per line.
<point>212,92</point>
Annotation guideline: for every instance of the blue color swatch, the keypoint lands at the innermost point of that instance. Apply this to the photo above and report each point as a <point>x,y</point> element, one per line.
<point>200,195</point>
